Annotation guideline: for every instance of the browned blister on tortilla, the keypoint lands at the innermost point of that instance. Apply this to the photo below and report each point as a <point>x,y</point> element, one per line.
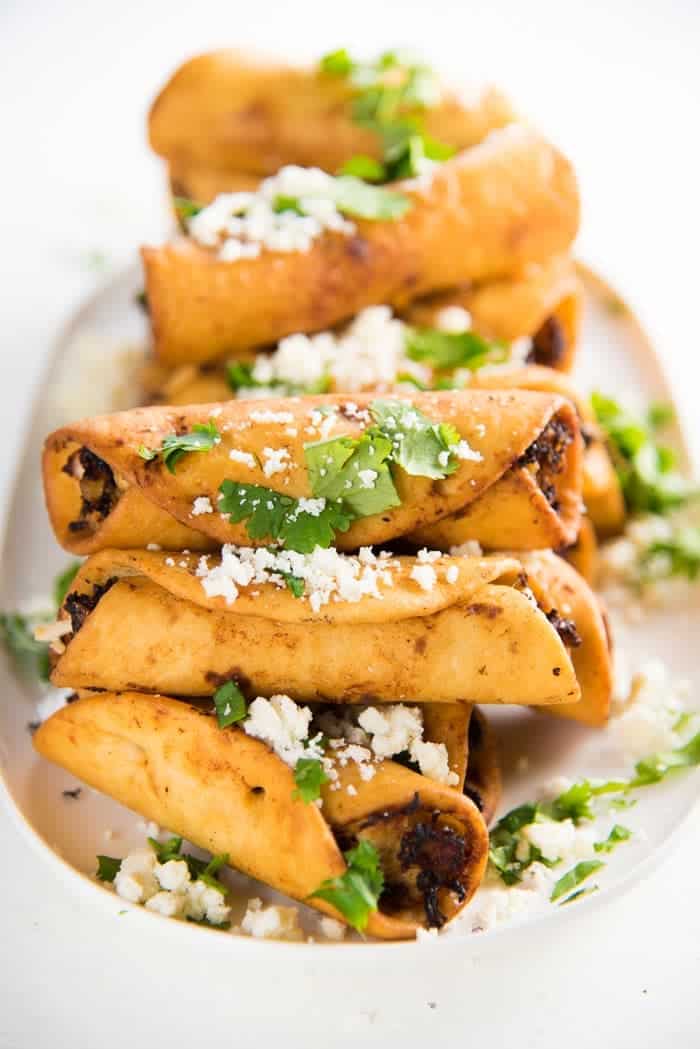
<point>521,489</point>
<point>484,214</point>
<point>229,793</point>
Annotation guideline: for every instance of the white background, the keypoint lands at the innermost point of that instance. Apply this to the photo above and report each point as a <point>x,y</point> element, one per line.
<point>617,85</point>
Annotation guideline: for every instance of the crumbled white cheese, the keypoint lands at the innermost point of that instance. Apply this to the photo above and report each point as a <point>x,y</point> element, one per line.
<point>470,548</point>
<point>463,450</point>
<point>452,574</point>
<point>271,417</point>
<point>453,319</point>
<point>168,889</point>
<point>276,461</point>
<point>428,557</point>
<point>327,574</point>
<point>284,726</point>
<point>332,929</point>
<point>153,546</point>
<point>136,879</point>
<point>202,505</point>
<point>644,720</point>
<point>561,840</point>
<point>173,875</point>
<point>238,456</point>
<point>396,728</point>
<point>425,576</point>
<point>368,478</point>
<point>169,904</point>
<point>240,225</point>
<point>272,922</point>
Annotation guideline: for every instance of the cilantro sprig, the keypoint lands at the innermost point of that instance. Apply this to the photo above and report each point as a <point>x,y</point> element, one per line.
<point>573,878</point>
<point>230,704</point>
<point>617,835</point>
<point>356,892</point>
<point>646,469</point>
<point>678,555</point>
<point>421,447</point>
<point>202,438</point>
<point>200,870</point>
<point>268,514</point>
<point>353,471</point>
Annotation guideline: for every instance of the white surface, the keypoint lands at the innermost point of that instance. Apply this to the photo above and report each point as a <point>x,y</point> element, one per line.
<point>618,90</point>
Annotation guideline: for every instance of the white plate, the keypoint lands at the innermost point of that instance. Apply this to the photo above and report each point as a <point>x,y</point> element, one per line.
<point>615,357</point>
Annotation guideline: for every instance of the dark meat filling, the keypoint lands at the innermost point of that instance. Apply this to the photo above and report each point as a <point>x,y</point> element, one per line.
<point>98,489</point>
<point>566,628</point>
<point>441,854</point>
<point>79,606</point>
<point>547,452</point>
<point>548,344</point>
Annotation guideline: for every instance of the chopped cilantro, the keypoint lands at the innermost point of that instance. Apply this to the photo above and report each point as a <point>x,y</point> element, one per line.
<point>646,469</point>
<point>17,633</point>
<point>678,555</point>
<point>361,200</point>
<point>337,63</point>
<point>167,850</point>
<point>270,515</point>
<point>107,868</point>
<point>309,776</point>
<point>573,878</point>
<point>356,892</point>
<point>62,582</point>
<point>282,203</point>
<point>447,350</point>
<point>574,803</point>
<point>419,446</point>
<point>230,704</point>
<point>185,208</point>
<point>616,835</point>
<point>338,472</point>
<point>202,438</point>
<point>658,766</point>
<point>294,583</point>
<point>363,167</point>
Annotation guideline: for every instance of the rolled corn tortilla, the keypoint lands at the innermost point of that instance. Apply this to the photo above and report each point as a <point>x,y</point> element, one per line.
<point>229,793</point>
<point>474,637</point>
<point>483,783</point>
<point>558,586</point>
<point>525,472</point>
<point>222,114</point>
<point>486,213</point>
<point>544,303</point>
<point>583,554</point>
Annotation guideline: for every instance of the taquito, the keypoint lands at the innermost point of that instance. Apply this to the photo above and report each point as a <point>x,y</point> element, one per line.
<point>486,213</point>
<point>229,793</point>
<point>474,635</point>
<point>483,781</point>
<point>223,114</point>
<point>583,554</point>
<point>544,303</point>
<point>520,489</point>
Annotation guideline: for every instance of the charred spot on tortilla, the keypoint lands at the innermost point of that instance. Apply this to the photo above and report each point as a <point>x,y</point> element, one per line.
<point>548,344</point>
<point>98,489</point>
<point>79,606</point>
<point>357,248</point>
<point>482,609</point>
<point>556,671</point>
<point>440,853</point>
<point>389,814</point>
<point>566,628</point>
<point>257,790</point>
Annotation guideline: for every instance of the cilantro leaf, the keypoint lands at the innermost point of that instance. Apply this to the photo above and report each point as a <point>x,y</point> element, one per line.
<point>268,514</point>
<point>645,469</point>
<point>202,438</point>
<point>680,553</point>
<point>30,656</point>
<point>419,446</point>
<point>168,850</point>
<point>230,704</point>
<point>107,868</point>
<point>309,776</point>
<point>657,767</point>
<point>186,208</point>
<point>573,878</point>
<point>362,200</point>
<point>616,835</point>
<point>356,892</point>
<point>579,893</point>
<point>444,350</point>
<point>574,803</point>
<point>337,63</point>
<point>353,471</point>
<point>282,203</point>
<point>366,168</point>
<point>62,582</point>
<point>294,583</point>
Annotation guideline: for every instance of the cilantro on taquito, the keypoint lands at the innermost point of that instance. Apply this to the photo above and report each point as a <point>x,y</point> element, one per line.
<point>486,213</point>
<point>223,114</point>
<point>426,843</point>
<point>320,627</point>
<point>322,470</point>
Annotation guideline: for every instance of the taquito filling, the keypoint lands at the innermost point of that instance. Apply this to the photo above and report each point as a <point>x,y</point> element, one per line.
<point>99,492</point>
<point>548,344</point>
<point>424,856</point>
<point>79,606</point>
<point>546,458</point>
